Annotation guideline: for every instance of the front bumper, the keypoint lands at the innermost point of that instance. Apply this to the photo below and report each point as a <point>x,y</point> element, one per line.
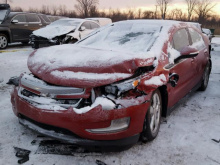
<point>106,145</point>
<point>77,124</point>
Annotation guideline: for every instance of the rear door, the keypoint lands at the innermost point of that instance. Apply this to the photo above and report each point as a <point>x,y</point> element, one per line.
<point>19,30</point>
<point>202,58</point>
<point>184,68</point>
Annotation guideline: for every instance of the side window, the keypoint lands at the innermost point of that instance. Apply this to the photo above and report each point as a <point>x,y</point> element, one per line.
<point>32,18</point>
<point>20,18</point>
<point>86,25</point>
<point>94,25</point>
<point>180,39</point>
<point>44,17</point>
<point>197,39</point>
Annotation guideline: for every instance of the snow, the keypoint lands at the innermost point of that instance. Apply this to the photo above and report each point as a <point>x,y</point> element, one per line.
<point>50,32</point>
<point>89,76</point>
<point>104,102</point>
<point>58,28</point>
<point>173,54</point>
<point>185,137</point>
<point>156,80</point>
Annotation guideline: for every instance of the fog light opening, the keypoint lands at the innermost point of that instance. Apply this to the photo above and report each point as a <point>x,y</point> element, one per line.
<point>117,125</point>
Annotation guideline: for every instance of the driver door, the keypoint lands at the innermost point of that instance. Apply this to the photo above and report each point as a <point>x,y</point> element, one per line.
<point>185,68</point>
<point>19,29</point>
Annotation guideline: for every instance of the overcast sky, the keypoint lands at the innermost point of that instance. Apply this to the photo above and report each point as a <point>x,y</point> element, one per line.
<point>103,4</point>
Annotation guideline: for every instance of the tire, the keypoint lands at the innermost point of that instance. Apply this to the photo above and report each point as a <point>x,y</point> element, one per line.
<point>35,45</point>
<point>153,117</point>
<point>205,78</point>
<point>3,41</point>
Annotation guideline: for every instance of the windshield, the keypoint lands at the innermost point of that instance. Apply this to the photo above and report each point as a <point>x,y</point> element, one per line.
<point>2,14</point>
<point>66,23</point>
<point>128,37</point>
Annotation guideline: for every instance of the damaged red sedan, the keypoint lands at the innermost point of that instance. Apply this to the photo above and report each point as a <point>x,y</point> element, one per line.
<point>111,88</point>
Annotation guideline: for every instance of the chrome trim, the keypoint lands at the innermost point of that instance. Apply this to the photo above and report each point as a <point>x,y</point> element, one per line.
<point>32,100</point>
<point>46,89</point>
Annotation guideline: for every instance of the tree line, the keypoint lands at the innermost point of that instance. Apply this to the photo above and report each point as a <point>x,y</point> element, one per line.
<point>197,11</point>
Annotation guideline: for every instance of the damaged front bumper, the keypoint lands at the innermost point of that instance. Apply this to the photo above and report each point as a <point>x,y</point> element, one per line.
<point>95,126</point>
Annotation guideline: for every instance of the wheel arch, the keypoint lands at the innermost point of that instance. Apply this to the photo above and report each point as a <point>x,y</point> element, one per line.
<point>7,34</point>
<point>164,98</point>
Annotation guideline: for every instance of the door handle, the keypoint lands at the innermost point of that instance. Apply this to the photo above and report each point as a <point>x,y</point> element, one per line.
<point>40,24</point>
<point>25,25</point>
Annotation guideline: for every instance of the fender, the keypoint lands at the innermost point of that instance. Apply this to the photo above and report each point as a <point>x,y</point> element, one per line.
<point>6,31</point>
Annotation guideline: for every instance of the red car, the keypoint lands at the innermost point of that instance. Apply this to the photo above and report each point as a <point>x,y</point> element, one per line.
<point>111,88</point>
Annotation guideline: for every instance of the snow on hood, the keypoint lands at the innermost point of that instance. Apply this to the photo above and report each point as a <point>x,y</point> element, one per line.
<point>50,31</point>
<point>74,65</point>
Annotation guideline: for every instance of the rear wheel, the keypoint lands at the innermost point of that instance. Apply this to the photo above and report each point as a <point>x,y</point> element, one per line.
<point>153,117</point>
<point>3,41</point>
<point>205,79</point>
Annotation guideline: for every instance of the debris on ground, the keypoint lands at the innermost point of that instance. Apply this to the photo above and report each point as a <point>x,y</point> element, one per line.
<point>99,162</point>
<point>23,154</point>
<point>217,141</point>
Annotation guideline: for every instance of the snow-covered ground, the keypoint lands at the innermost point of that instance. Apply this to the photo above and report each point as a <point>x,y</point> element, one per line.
<point>185,137</point>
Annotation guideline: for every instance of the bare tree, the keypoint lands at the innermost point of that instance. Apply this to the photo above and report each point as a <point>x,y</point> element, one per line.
<point>191,4</point>
<point>163,5</point>
<point>54,10</point>
<point>203,9</point>
<point>85,6</point>
<point>7,1</point>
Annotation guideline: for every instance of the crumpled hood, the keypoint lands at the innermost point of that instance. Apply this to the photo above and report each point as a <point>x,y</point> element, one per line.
<point>83,67</point>
<point>52,31</point>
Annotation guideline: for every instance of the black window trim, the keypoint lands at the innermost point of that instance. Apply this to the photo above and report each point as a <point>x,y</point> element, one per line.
<point>33,22</point>
<point>20,22</point>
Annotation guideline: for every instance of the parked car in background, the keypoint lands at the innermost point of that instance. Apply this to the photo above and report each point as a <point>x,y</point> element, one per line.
<point>67,30</point>
<point>17,26</point>
<point>101,21</point>
<point>208,33</point>
<point>111,88</point>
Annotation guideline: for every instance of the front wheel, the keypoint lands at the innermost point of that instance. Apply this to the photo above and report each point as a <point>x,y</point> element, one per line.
<point>153,117</point>
<point>3,41</point>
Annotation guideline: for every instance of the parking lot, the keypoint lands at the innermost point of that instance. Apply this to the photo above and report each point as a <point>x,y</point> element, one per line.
<point>190,135</point>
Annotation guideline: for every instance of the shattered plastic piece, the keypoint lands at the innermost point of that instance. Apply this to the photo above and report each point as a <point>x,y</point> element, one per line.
<point>99,162</point>
<point>13,81</point>
<point>217,141</point>
<point>23,154</point>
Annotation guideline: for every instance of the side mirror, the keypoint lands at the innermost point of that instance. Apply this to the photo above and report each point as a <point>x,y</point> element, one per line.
<point>187,52</point>
<point>82,28</point>
<point>14,21</point>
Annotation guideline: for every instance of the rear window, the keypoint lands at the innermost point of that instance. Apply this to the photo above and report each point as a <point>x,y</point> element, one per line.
<point>197,39</point>
<point>44,17</point>
<point>94,25</point>
<point>32,18</point>
<point>20,18</point>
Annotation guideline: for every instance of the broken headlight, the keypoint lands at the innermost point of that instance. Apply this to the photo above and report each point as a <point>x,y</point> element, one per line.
<point>118,88</point>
